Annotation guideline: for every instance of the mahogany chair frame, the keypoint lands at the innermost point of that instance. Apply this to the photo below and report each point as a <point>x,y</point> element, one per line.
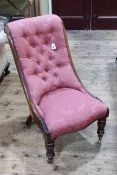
<point>38,119</point>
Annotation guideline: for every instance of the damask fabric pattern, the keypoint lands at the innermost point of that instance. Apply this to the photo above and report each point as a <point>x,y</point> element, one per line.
<point>54,88</point>
<point>67,110</point>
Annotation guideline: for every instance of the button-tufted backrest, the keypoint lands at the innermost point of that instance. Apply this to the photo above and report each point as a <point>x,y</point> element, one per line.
<point>43,54</point>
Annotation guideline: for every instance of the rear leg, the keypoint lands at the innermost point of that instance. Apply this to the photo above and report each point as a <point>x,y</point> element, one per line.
<point>7,71</point>
<point>29,121</point>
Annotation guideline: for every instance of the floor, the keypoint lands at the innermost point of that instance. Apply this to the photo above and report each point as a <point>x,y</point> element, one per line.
<point>22,151</point>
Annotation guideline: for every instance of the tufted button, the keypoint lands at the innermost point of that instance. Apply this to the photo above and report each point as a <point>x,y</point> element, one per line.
<point>59,65</point>
<point>28,55</point>
<point>55,75</point>
<point>35,72</point>
<point>50,30</point>
<point>32,44</point>
<point>38,62</point>
<point>46,41</point>
<point>47,69</point>
<point>44,78</point>
<point>51,58</point>
<point>41,51</point>
<point>24,35</point>
<point>37,33</point>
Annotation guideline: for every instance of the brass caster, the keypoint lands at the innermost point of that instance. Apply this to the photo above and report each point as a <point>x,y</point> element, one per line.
<point>50,161</point>
<point>99,141</point>
<point>7,72</point>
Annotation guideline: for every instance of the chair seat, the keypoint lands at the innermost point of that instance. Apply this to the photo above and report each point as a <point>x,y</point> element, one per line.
<point>50,81</point>
<point>67,110</point>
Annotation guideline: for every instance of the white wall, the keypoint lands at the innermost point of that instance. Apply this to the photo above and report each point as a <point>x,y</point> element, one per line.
<point>45,7</point>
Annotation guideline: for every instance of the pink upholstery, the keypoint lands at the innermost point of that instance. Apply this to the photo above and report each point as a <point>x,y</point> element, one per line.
<point>66,110</point>
<point>53,86</point>
<point>45,69</point>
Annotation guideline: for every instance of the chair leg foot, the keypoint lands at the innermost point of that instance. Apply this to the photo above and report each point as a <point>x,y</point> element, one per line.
<point>7,69</point>
<point>29,121</point>
<point>101,125</point>
<point>116,60</point>
<point>50,152</point>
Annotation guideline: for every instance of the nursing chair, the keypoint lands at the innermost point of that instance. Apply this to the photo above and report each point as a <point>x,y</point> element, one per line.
<point>58,101</point>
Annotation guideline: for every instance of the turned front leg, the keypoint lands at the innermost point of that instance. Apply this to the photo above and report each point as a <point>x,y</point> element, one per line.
<point>101,126</point>
<point>50,151</point>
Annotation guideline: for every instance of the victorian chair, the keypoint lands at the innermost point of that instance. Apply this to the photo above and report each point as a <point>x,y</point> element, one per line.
<point>58,101</point>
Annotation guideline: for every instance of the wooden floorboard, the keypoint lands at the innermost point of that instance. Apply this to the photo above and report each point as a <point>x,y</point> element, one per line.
<point>22,151</point>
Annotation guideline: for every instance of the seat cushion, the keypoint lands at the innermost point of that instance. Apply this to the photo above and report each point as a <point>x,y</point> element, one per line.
<point>67,110</point>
